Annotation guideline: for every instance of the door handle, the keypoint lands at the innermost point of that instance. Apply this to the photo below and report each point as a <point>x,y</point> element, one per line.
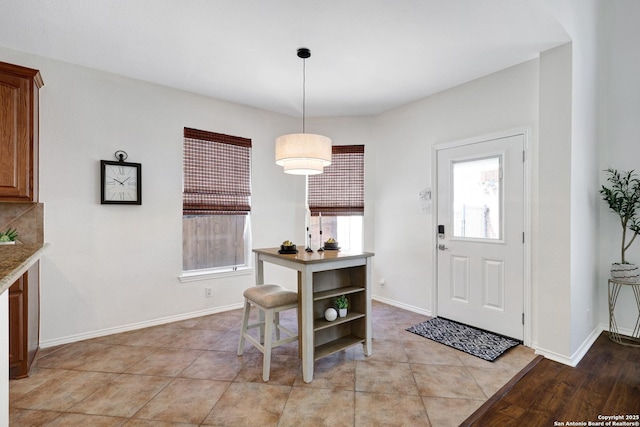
<point>442,247</point>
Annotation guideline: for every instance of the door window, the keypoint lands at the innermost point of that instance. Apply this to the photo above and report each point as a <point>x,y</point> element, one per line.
<point>477,198</point>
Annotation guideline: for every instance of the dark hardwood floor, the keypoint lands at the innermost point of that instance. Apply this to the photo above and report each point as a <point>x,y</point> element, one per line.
<point>606,382</point>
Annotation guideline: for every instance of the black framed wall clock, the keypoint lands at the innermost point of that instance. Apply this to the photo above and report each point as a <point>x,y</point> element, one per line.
<point>120,183</point>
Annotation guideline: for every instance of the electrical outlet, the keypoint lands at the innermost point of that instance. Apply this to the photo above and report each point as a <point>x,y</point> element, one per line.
<point>208,292</point>
<point>383,282</point>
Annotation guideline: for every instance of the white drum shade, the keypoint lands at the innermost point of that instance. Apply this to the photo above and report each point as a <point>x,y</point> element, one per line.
<point>303,153</point>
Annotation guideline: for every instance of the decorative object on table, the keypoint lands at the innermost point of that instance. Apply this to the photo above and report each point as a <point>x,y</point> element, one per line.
<point>331,244</point>
<point>342,303</point>
<point>120,181</point>
<point>8,237</point>
<point>303,153</point>
<point>623,198</point>
<point>321,248</point>
<point>477,342</point>
<point>308,249</point>
<point>330,314</point>
<point>287,247</point>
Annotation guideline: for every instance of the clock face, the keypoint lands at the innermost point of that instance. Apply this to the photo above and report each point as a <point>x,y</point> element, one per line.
<point>120,183</point>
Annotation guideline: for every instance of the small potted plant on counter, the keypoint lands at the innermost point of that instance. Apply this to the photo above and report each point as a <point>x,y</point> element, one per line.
<point>342,303</point>
<point>8,237</point>
<point>623,198</point>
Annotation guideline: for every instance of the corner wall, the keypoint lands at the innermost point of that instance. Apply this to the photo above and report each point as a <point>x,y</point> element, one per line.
<point>552,251</point>
<point>582,21</point>
<point>404,139</point>
<point>619,142</point>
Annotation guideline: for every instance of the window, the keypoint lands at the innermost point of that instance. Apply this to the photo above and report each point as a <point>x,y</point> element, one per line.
<point>216,232</point>
<point>477,198</point>
<point>336,199</point>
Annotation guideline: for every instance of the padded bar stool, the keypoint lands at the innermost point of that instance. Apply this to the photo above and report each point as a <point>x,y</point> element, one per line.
<point>271,299</point>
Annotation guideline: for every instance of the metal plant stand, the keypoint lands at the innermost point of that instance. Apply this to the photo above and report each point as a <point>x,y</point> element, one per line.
<point>614,292</point>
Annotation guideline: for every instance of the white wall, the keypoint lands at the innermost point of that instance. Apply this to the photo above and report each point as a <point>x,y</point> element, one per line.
<point>111,267</point>
<point>552,207</point>
<point>404,238</point>
<point>604,66</point>
<point>585,289</point>
<point>605,63</point>
<point>619,137</point>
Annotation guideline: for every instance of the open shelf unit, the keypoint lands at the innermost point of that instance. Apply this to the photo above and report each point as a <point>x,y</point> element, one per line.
<point>336,345</point>
<point>330,337</point>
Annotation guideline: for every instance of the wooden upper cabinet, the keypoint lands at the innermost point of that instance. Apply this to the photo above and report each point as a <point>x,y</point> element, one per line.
<point>19,88</point>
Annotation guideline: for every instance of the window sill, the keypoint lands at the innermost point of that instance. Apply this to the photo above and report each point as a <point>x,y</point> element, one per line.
<point>193,276</point>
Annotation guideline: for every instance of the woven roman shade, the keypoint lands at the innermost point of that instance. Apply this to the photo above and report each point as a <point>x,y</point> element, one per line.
<point>339,190</point>
<point>217,174</point>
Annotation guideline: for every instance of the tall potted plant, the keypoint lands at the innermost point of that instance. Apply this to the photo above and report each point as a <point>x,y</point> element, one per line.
<point>623,198</point>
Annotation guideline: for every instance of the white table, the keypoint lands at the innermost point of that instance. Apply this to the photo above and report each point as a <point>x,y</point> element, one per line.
<point>322,276</point>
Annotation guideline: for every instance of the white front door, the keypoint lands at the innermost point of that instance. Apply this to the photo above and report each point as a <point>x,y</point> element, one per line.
<point>480,191</point>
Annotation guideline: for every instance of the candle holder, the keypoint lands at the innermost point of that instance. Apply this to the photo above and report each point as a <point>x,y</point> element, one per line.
<point>308,249</point>
<point>321,248</point>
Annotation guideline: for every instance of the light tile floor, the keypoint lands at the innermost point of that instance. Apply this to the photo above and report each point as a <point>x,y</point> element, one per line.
<point>188,374</point>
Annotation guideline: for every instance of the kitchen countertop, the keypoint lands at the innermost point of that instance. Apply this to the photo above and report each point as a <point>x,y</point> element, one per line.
<point>16,259</point>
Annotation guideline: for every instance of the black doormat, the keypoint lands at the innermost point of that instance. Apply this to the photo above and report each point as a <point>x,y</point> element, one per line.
<point>474,341</point>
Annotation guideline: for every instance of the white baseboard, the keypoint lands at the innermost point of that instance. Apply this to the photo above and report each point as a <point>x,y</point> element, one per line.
<point>402,305</point>
<point>577,356</point>
<point>164,320</point>
<point>134,326</point>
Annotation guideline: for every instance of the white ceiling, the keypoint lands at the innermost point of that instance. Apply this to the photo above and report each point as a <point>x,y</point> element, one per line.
<point>367,56</point>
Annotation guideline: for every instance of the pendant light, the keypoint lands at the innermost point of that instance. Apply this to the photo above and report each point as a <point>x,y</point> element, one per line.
<point>303,153</point>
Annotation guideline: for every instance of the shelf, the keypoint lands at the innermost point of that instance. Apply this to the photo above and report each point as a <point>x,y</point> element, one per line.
<point>336,345</point>
<point>332,293</point>
<point>320,324</point>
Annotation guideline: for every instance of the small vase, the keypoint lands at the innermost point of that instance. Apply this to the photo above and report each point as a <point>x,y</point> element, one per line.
<point>342,312</point>
<point>625,272</point>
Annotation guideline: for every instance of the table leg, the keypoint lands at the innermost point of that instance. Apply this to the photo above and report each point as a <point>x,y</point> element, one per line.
<point>260,281</point>
<point>306,315</point>
<point>367,347</point>
<point>300,334</point>
<point>259,270</point>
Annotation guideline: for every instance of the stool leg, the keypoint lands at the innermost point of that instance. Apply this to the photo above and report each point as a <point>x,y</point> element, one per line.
<point>245,323</point>
<point>268,337</point>
<point>277,324</point>
<point>261,322</point>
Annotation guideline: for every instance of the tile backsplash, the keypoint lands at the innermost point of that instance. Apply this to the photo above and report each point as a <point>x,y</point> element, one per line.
<point>27,218</point>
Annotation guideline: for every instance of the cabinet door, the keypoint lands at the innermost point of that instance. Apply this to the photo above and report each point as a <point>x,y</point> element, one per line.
<point>24,322</point>
<point>19,133</point>
<point>16,328</point>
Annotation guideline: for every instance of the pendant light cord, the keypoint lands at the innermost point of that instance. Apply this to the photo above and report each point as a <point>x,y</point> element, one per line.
<point>304,94</point>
